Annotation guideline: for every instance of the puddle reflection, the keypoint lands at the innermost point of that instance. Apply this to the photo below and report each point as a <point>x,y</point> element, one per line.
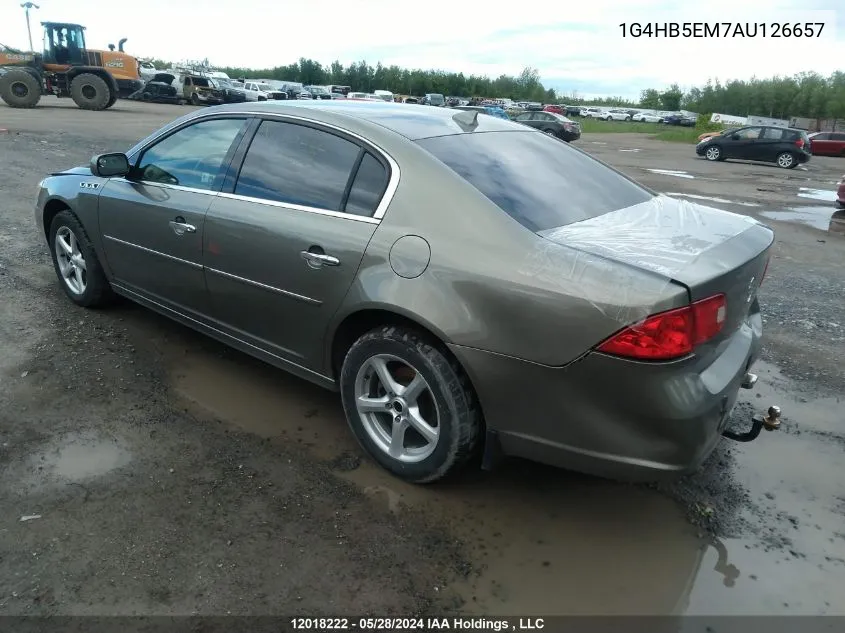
<point>818,217</point>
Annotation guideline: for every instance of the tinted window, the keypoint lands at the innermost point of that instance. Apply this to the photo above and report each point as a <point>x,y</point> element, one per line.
<point>837,137</point>
<point>367,188</point>
<point>539,181</point>
<point>523,117</point>
<point>772,134</point>
<point>820,137</point>
<point>749,133</point>
<point>298,165</point>
<point>193,156</point>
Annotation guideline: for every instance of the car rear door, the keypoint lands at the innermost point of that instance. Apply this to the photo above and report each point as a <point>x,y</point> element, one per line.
<point>285,238</point>
<point>770,143</point>
<point>152,220</point>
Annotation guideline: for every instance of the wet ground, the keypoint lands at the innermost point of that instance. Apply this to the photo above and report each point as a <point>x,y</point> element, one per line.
<point>147,469</point>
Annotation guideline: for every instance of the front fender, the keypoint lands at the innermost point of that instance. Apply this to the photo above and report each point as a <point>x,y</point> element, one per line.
<point>75,191</point>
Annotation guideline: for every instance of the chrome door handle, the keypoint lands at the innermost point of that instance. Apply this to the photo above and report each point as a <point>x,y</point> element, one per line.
<point>316,260</point>
<point>180,227</point>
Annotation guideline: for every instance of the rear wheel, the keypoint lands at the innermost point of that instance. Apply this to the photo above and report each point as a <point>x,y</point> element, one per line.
<point>195,99</point>
<point>409,405</point>
<point>786,160</point>
<point>714,152</point>
<point>91,92</point>
<point>20,89</point>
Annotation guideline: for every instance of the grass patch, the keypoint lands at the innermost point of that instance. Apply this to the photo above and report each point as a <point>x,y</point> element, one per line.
<point>597,126</point>
<point>680,134</point>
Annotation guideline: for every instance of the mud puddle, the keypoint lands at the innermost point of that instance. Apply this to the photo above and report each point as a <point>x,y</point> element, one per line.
<point>543,540</point>
<point>819,217</point>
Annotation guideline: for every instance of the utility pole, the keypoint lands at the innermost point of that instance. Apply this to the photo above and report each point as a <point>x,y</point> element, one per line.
<point>26,6</point>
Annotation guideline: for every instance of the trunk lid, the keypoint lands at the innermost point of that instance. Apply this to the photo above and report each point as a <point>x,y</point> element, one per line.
<point>707,250</point>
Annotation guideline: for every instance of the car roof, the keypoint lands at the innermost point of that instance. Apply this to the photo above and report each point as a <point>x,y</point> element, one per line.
<point>411,121</point>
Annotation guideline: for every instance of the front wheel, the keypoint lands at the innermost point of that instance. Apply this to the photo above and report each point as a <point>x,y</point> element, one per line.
<point>91,92</point>
<point>76,263</point>
<point>410,406</point>
<point>20,89</point>
<point>714,152</point>
<point>786,160</point>
<point>550,133</point>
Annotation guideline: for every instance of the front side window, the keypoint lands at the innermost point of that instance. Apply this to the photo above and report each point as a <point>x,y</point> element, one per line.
<point>537,180</point>
<point>749,133</point>
<point>192,157</point>
<point>298,165</point>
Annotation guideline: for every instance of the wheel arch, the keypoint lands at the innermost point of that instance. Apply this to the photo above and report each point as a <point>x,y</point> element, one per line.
<point>52,208</point>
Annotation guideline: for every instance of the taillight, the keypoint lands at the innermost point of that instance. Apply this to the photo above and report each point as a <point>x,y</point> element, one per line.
<point>800,143</point>
<point>670,334</point>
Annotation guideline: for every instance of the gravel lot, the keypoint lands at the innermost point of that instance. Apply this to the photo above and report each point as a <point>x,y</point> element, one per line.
<point>148,470</point>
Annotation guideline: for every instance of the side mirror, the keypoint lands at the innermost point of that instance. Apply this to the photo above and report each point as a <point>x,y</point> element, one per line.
<point>735,137</point>
<point>110,165</point>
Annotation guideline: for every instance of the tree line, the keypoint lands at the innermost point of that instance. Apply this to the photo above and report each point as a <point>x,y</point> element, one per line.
<point>807,94</point>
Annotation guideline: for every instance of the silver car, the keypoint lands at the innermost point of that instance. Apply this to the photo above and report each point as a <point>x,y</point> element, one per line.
<point>469,285</point>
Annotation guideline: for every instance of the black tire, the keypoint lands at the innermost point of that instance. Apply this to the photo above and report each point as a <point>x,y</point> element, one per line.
<point>97,290</point>
<point>459,421</point>
<point>146,96</point>
<point>628,119</point>
<point>195,100</point>
<point>20,89</point>
<point>112,101</point>
<point>90,92</point>
<point>550,132</point>
<point>786,160</point>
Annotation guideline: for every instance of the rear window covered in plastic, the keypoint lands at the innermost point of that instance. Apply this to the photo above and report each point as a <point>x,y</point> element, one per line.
<point>540,181</point>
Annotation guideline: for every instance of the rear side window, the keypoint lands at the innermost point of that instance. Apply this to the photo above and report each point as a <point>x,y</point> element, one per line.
<point>367,188</point>
<point>837,137</point>
<point>772,134</point>
<point>298,165</point>
<point>539,181</point>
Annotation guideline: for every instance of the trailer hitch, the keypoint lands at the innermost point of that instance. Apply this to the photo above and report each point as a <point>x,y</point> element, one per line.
<point>770,422</point>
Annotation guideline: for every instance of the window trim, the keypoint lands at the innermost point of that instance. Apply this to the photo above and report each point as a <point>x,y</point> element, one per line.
<point>254,117</point>
<point>378,153</point>
<point>136,156</point>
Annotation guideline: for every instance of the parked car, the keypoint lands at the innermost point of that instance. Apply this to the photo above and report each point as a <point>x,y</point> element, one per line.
<point>318,92</point>
<point>321,263</point>
<point>232,93</point>
<point>680,119</point>
<point>159,89</point>
<point>592,113</point>
<point>828,143</point>
<point>200,90</point>
<point>615,114</point>
<point>647,117</point>
<point>552,124</point>
<point>254,92</point>
<point>557,109</point>
<point>786,147</point>
<point>572,110</point>
<point>433,99</point>
<point>411,100</point>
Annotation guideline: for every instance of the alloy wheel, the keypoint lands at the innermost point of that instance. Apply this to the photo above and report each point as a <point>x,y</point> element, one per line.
<point>397,408</point>
<point>72,264</point>
<point>713,153</point>
<point>785,160</point>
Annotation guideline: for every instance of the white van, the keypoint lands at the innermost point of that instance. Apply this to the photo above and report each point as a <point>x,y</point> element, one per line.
<point>385,95</point>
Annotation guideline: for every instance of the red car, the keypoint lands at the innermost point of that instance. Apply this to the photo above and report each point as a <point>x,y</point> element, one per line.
<point>557,109</point>
<point>840,193</point>
<point>828,143</point>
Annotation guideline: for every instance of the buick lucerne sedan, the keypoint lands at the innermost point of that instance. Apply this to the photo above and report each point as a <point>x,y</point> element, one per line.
<point>470,286</point>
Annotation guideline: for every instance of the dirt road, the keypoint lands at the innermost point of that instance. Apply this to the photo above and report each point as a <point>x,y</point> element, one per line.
<point>146,469</point>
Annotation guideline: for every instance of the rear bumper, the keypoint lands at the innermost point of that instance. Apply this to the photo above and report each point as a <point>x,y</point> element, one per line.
<point>612,417</point>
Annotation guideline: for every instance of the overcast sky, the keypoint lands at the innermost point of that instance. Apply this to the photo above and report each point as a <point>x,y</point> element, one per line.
<point>576,46</point>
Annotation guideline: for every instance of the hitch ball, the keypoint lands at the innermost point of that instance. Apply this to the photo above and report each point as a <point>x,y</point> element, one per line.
<point>772,419</point>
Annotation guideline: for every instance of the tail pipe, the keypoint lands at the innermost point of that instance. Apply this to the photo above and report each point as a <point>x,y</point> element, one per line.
<point>121,43</point>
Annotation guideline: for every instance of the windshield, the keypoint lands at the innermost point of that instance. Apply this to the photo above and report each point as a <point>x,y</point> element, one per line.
<point>265,88</point>
<point>537,180</point>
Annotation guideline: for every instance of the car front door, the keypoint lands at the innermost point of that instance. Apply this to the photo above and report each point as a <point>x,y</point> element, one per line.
<point>526,119</point>
<point>152,220</point>
<point>736,145</point>
<point>285,238</point>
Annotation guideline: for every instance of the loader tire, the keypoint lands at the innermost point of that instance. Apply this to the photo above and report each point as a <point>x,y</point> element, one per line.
<point>20,89</point>
<point>90,92</point>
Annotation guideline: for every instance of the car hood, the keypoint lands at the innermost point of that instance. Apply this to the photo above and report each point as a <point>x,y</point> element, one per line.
<point>82,170</point>
<point>680,240</point>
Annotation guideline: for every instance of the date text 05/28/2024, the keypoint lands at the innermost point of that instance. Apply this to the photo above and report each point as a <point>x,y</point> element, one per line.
<point>418,625</point>
<point>722,29</point>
